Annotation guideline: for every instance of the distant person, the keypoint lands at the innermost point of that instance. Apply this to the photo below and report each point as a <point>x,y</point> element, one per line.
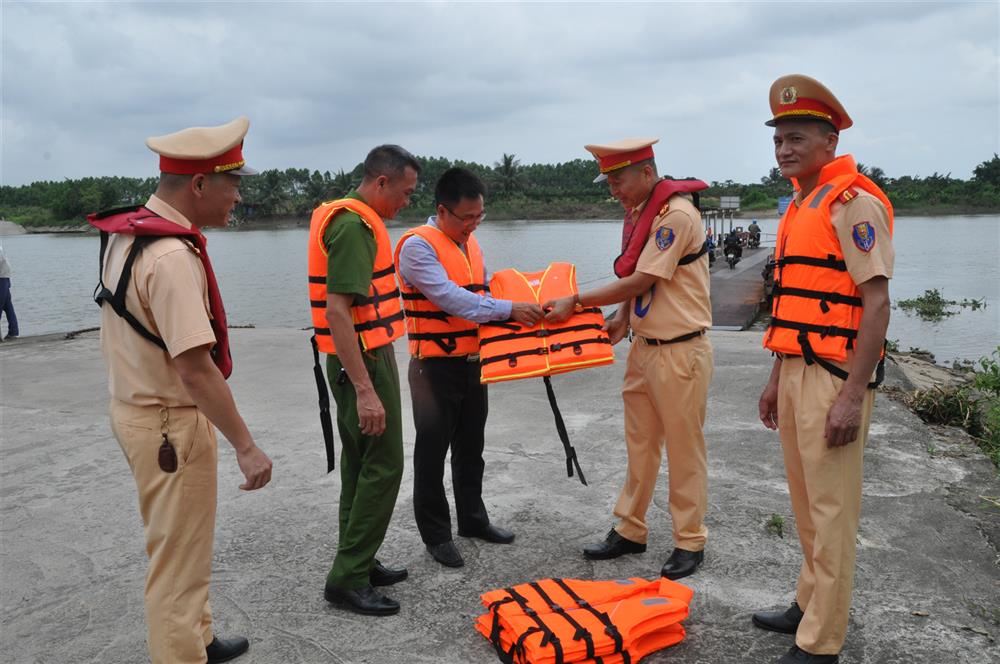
<point>357,314</point>
<point>753,232</point>
<point>6,301</point>
<point>829,318</point>
<point>165,342</point>
<point>733,244</point>
<point>443,278</point>
<point>663,292</point>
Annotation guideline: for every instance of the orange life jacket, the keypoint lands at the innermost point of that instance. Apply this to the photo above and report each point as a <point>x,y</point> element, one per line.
<point>558,621</point>
<point>431,331</point>
<point>509,351</point>
<point>817,307</point>
<point>377,317</point>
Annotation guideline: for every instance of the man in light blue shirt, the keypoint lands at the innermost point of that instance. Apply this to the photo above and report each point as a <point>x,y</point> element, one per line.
<point>449,403</point>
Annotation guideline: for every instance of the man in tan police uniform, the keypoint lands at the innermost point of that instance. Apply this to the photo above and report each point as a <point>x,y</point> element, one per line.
<point>827,345</point>
<point>165,401</point>
<point>665,302</point>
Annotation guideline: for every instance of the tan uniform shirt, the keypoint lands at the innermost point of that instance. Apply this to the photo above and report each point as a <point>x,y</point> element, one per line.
<point>845,217</point>
<point>168,294</point>
<point>680,301</point>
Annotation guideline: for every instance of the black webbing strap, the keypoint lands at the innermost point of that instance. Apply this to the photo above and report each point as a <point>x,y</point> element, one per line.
<point>317,279</point>
<point>379,322</point>
<point>429,315</point>
<point>822,330</point>
<point>810,357</point>
<point>384,272</point>
<point>324,407</point>
<point>609,627</point>
<point>581,634</point>
<point>377,298</point>
<point>690,258</point>
<point>675,340</point>
<point>117,299</point>
<point>823,296</point>
<point>548,636</point>
<point>543,332</point>
<point>447,341</point>
<point>545,350</point>
<point>417,295</point>
<point>571,461</point>
<point>829,262</point>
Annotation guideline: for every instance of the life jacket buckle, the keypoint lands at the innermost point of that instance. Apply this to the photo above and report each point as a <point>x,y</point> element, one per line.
<point>512,362</point>
<point>555,348</point>
<point>577,350</point>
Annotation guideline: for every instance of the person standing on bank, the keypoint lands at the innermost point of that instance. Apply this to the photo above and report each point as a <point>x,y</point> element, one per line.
<point>350,261</point>
<point>164,339</point>
<point>665,302</point>
<point>443,279</point>
<point>830,313</point>
<point>6,302</point>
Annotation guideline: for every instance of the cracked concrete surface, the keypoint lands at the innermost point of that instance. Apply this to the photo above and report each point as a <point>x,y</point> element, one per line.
<point>72,561</point>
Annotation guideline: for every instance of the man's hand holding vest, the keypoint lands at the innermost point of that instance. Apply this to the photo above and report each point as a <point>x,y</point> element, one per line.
<point>526,313</point>
<point>559,310</point>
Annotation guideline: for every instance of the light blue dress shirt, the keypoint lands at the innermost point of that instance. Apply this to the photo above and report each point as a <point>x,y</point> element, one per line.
<point>420,268</point>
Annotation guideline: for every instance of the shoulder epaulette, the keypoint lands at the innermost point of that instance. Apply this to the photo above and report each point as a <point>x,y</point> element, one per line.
<point>848,196</point>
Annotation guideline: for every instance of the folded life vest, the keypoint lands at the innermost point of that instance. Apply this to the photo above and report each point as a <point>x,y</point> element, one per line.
<point>510,351</point>
<point>561,621</point>
<point>817,307</point>
<point>146,226</point>
<point>433,332</point>
<point>636,233</point>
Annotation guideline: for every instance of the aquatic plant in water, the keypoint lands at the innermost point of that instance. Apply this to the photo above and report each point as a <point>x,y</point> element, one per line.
<point>933,306</point>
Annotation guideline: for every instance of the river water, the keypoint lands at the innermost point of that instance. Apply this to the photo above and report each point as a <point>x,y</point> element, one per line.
<point>262,273</point>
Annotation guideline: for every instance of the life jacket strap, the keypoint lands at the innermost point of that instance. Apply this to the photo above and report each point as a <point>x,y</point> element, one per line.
<point>511,358</point>
<point>548,636</point>
<point>571,460</point>
<point>117,299</point>
<point>810,357</point>
<point>581,634</point>
<point>543,332</point>
<point>379,322</point>
<point>609,627</point>
<point>377,298</point>
<point>824,297</point>
<point>822,330</point>
<point>472,288</point>
<point>830,262</point>
<point>445,340</point>
<point>324,407</point>
<point>690,258</point>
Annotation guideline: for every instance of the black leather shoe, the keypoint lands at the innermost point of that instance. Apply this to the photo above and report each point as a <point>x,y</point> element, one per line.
<point>490,533</point>
<point>386,576</point>
<point>223,650</point>
<point>365,600</point>
<point>681,563</point>
<point>446,553</point>
<point>798,656</point>
<point>613,546</point>
<point>786,622</point>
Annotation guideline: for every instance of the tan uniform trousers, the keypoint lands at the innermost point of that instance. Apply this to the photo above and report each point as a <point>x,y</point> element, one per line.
<point>825,488</point>
<point>665,393</point>
<point>178,511</point>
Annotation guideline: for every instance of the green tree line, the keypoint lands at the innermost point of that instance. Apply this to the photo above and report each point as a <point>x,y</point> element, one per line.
<point>516,190</point>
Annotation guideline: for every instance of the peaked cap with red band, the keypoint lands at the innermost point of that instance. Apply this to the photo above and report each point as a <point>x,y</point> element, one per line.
<point>798,97</point>
<point>204,149</point>
<point>613,156</point>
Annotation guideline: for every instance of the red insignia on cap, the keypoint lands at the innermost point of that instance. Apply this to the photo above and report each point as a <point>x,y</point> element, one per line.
<point>229,160</point>
<point>613,162</point>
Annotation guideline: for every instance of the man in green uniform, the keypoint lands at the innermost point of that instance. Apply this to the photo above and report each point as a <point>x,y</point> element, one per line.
<point>364,379</point>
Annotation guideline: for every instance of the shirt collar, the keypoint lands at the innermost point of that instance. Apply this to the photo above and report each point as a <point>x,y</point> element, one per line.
<point>167,211</point>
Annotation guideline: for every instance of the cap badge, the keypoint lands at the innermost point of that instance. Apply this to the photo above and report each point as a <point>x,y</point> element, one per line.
<point>789,95</point>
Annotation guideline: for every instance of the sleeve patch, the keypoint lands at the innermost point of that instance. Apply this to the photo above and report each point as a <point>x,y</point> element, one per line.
<point>847,196</point>
<point>863,235</point>
<point>664,237</point>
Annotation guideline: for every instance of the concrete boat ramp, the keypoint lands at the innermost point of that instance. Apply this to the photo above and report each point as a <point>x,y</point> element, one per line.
<point>71,548</point>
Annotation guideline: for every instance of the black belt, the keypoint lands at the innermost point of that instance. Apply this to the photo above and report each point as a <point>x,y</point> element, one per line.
<point>470,358</point>
<point>667,342</point>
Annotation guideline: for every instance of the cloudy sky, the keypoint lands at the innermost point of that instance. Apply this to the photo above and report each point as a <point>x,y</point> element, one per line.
<point>84,83</point>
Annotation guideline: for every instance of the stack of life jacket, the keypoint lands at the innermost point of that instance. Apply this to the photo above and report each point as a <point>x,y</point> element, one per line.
<point>510,351</point>
<point>566,621</point>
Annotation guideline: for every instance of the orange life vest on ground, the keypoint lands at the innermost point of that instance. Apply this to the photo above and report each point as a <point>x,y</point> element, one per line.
<point>817,306</point>
<point>433,332</point>
<point>559,621</point>
<point>377,317</point>
<point>509,351</point>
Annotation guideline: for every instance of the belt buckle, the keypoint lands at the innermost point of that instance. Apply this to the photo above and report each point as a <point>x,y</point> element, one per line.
<point>472,357</point>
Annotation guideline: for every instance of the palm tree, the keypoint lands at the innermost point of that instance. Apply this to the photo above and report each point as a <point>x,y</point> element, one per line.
<point>507,175</point>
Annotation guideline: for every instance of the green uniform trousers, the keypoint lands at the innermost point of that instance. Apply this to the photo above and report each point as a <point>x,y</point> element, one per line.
<point>371,468</point>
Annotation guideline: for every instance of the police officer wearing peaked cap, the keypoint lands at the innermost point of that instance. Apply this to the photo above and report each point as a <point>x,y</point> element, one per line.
<point>664,300</point>
<point>167,356</point>
<point>829,318</point>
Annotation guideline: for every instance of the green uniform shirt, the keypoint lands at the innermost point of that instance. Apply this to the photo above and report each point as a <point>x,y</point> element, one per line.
<point>352,248</point>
